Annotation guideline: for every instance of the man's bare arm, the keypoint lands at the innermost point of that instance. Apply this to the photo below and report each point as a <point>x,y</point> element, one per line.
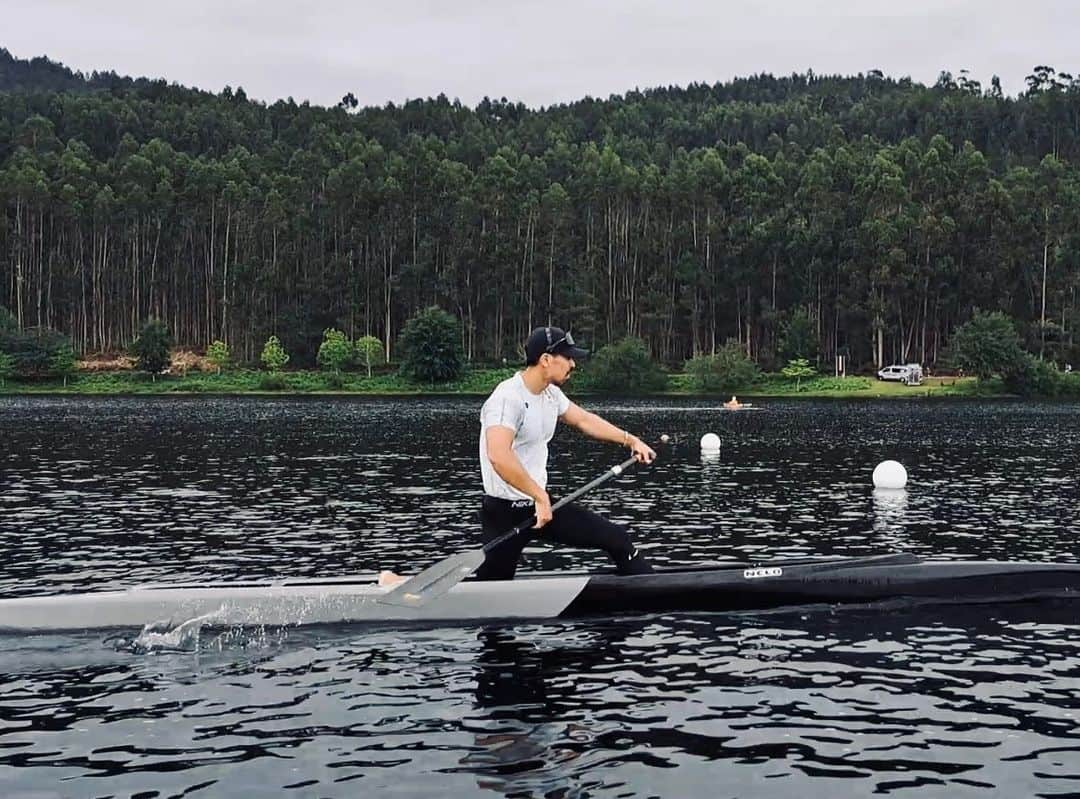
<point>601,429</point>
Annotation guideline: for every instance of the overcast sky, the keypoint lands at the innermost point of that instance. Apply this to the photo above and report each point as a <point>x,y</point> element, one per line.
<point>537,51</point>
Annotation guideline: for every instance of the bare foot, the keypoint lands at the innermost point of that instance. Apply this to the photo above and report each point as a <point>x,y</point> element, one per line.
<point>388,578</point>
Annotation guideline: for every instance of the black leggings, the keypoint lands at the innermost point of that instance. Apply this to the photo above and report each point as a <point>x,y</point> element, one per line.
<point>571,525</point>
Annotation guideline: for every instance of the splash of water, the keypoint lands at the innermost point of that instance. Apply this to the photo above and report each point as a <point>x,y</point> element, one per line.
<point>166,635</point>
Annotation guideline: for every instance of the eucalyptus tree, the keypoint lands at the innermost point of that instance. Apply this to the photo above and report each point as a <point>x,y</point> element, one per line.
<point>369,352</point>
<point>880,246</point>
<point>758,198</point>
<point>1051,194</point>
<point>885,209</point>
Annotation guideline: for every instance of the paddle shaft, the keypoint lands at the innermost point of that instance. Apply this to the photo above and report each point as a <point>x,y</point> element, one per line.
<point>438,579</point>
<point>614,471</point>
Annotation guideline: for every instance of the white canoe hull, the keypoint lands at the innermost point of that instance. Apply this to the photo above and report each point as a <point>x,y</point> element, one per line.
<point>286,604</point>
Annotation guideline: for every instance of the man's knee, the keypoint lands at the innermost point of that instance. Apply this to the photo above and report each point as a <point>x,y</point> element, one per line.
<point>620,546</point>
<point>615,538</point>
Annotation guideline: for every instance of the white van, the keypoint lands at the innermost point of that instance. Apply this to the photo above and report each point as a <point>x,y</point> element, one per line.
<point>910,373</point>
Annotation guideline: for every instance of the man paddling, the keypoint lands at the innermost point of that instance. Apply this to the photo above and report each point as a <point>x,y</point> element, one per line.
<point>516,424</point>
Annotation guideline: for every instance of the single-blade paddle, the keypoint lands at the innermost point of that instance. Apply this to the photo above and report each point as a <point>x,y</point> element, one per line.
<point>437,579</point>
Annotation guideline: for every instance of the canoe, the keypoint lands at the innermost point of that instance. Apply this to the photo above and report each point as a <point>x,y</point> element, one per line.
<point>717,587</point>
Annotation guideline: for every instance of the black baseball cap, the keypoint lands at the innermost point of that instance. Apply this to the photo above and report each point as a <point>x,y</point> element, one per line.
<point>553,340</point>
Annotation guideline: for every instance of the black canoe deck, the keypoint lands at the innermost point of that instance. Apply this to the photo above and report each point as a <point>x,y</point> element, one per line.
<point>847,580</point>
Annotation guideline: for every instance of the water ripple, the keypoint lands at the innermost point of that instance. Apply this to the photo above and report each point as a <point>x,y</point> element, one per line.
<point>964,701</point>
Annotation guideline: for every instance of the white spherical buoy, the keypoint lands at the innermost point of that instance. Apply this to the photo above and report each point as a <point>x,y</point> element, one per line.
<point>710,442</point>
<point>890,475</point>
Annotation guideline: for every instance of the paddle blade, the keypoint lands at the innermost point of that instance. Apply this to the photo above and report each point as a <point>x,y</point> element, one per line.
<point>434,581</point>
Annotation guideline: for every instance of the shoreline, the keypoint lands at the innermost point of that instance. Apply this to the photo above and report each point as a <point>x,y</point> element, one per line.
<point>480,383</point>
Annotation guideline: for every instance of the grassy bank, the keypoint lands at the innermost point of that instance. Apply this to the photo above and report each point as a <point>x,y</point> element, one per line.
<point>774,385</point>
<point>477,381</point>
<point>253,382</point>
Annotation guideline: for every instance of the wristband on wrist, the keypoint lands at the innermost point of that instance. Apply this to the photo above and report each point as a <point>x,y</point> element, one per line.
<point>625,438</point>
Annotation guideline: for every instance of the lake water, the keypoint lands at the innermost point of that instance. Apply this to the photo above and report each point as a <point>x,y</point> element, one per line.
<point>929,701</point>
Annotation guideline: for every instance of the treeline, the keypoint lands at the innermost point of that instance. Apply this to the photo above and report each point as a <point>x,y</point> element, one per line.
<point>883,210</point>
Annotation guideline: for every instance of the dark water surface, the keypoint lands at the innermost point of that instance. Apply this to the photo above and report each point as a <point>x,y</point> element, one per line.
<point>900,700</point>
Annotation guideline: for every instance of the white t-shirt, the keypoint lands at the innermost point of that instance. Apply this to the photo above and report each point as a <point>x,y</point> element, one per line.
<point>532,417</point>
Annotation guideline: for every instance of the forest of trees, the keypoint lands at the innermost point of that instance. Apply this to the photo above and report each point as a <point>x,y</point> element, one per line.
<point>886,210</point>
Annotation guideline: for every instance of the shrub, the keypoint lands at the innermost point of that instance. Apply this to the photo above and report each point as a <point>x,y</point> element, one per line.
<point>275,381</point>
<point>483,380</point>
<point>151,348</point>
<point>1070,384</point>
<point>31,350</point>
<point>1031,377</point>
<point>274,356</point>
<point>728,370</point>
<point>625,367</point>
<point>988,344</point>
<point>431,347</point>
<point>218,354</point>
<point>335,352</point>
<point>798,368</point>
<point>818,384</point>
<point>62,362</point>
<point>7,367</point>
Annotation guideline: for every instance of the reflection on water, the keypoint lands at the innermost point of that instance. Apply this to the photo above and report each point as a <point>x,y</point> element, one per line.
<point>890,519</point>
<point>710,458</point>
<point>169,490</point>
<point>516,750</point>
<point>772,704</point>
<point>976,701</point>
<point>847,696</point>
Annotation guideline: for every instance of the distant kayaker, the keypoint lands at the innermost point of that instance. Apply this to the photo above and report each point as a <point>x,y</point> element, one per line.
<point>516,424</point>
<point>733,404</point>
